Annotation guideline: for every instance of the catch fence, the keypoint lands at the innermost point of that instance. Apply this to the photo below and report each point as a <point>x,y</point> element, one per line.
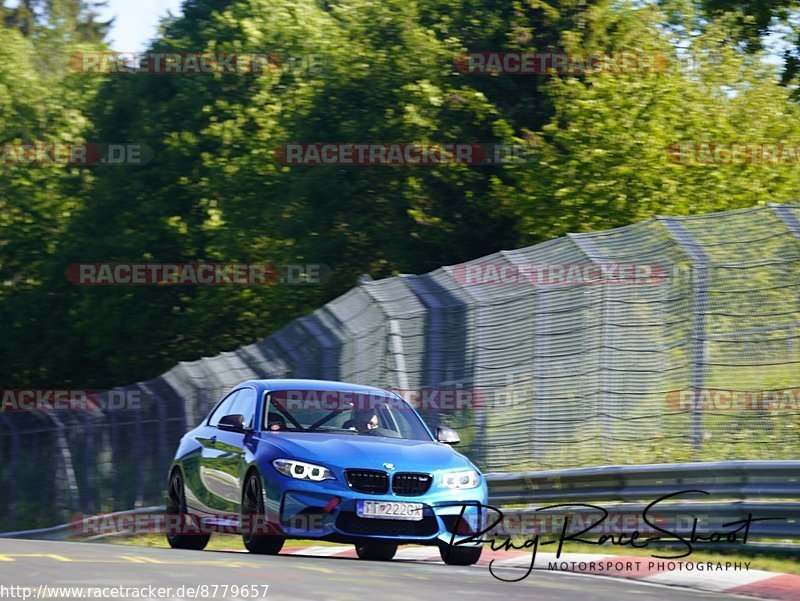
<point>674,339</point>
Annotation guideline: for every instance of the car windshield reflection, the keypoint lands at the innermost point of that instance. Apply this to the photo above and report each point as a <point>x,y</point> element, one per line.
<point>346,413</point>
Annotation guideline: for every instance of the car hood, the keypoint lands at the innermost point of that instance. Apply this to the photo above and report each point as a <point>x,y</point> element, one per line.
<point>349,451</point>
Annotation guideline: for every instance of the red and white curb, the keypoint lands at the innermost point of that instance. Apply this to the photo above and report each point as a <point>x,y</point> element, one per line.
<point>753,583</point>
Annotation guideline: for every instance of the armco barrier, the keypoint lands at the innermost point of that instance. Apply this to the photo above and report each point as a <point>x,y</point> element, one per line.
<point>723,479</point>
<point>736,489</point>
<point>64,531</point>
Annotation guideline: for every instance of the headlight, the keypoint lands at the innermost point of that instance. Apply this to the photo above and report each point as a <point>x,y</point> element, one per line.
<point>464,479</point>
<point>302,471</point>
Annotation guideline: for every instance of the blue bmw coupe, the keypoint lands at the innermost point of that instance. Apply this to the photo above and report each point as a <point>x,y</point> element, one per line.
<point>310,459</point>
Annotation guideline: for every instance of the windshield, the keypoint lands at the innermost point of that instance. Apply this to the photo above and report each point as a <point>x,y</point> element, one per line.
<point>341,412</point>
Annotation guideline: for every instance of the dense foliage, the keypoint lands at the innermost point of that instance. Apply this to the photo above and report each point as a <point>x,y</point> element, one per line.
<point>352,71</point>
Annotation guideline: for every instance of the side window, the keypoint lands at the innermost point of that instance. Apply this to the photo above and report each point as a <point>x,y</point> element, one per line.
<point>223,408</point>
<point>245,404</point>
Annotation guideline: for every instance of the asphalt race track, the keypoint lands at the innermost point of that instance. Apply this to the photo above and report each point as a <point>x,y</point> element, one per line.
<point>296,578</point>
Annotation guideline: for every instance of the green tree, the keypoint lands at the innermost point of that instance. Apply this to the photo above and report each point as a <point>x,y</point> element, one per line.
<point>605,161</point>
<point>41,103</point>
<point>73,19</point>
<point>352,71</point>
<point>216,193</point>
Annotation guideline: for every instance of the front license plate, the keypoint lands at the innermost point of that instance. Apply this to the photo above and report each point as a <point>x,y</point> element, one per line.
<point>389,510</point>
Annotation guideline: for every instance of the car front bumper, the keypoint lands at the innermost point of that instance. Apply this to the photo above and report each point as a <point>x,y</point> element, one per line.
<point>328,512</point>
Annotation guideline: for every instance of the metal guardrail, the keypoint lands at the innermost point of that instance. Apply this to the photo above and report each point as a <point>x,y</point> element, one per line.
<point>736,489</point>
<point>724,479</point>
<point>64,531</point>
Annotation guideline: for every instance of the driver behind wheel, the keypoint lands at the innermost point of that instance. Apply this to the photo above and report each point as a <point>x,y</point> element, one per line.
<point>365,421</point>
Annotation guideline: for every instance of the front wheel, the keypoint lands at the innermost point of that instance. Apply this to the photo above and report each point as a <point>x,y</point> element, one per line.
<point>176,505</point>
<point>254,518</point>
<point>460,556</point>
<point>376,551</point>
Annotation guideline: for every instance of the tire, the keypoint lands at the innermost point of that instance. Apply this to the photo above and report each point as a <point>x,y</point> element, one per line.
<point>460,556</point>
<point>376,551</point>
<point>176,505</point>
<point>253,505</point>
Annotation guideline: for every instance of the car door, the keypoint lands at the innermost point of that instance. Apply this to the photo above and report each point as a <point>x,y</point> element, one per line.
<point>217,460</point>
<point>223,458</point>
<point>199,481</point>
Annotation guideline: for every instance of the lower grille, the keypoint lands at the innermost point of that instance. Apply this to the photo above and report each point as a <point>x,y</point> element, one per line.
<point>410,484</point>
<point>372,482</point>
<point>352,524</point>
<point>456,525</point>
<point>309,518</point>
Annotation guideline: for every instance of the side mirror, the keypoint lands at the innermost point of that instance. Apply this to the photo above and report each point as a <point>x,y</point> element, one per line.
<point>233,423</point>
<point>447,435</point>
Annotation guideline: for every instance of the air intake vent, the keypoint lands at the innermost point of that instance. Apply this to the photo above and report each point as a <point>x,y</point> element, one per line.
<point>368,481</point>
<point>410,484</point>
<point>349,522</point>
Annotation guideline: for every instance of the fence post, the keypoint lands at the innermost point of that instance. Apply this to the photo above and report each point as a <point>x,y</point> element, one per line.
<point>13,472</point>
<point>789,219</point>
<point>116,459</point>
<point>398,354</point>
<point>792,223</point>
<point>163,454</point>
<point>699,261</point>
<point>445,329</point>
<point>141,449</point>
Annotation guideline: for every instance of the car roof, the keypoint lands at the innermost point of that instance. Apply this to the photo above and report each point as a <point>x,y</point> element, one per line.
<point>303,384</point>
